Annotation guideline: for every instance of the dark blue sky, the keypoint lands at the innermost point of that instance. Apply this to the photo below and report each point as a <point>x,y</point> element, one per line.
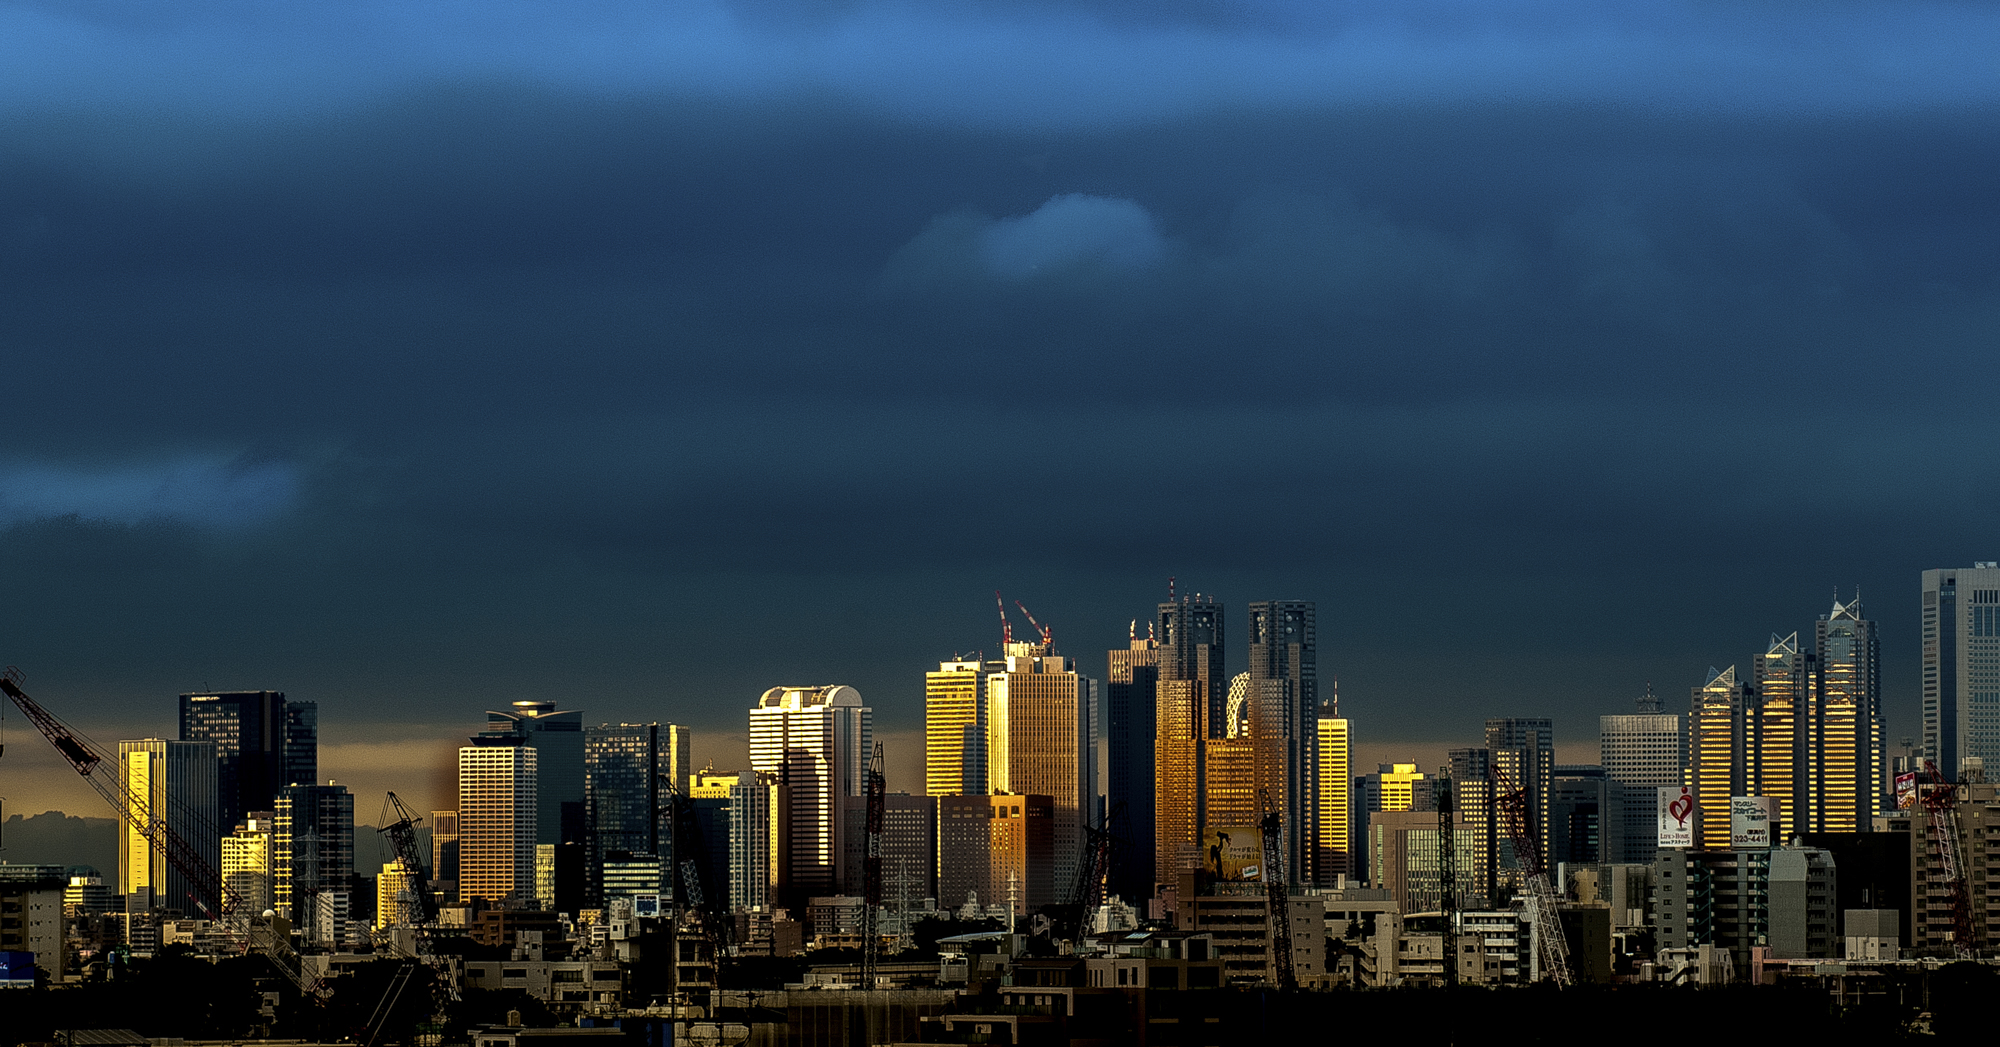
<point>419,358</point>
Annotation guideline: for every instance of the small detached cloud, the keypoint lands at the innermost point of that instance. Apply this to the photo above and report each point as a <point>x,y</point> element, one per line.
<point>1071,230</point>
<point>1074,237</point>
<point>200,491</point>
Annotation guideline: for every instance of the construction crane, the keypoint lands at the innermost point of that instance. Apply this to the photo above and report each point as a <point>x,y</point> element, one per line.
<point>1550,947</point>
<point>1092,867</point>
<point>1941,802</point>
<point>1448,877</point>
<point>1048,635</point>
<point>208,891</point>
<point>402,834</point>
<point>1277,894</point>
<point>871,871</point>
<point>1006,627</point>
<point>705,903</point>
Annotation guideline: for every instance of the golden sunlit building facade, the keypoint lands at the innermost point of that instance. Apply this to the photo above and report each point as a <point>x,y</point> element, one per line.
<point>1038,741</point>
<point>1778,741</point>
<point>1719,753</point>
<point>1336,803</point>
<point>1846,768</point>
<point>1189,699</point>
<point>955,729</point>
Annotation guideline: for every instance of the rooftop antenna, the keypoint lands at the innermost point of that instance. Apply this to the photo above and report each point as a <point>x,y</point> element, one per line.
<point>1170,588</point>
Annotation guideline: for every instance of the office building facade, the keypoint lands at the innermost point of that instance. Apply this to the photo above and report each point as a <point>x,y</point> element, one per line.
<point>1039,741</point>
<point>262,744</point>
<point>1720,751</point>
<point>998,849</point>
<point>557,736</point>
<point>955,728</point>
<point>1189,699</point>
<point>626,768</point>
<point>1285,708</point>
<point>498,819</point>
<point>1640,751</point>
<point>1847,774</point>
<point>1526,749</point>
<point>816,741</point>
<point>176,782</point>
<point>313,848</point>
<point>1961,670</point>
<point>1335,795</point>
<point>1131,695</point>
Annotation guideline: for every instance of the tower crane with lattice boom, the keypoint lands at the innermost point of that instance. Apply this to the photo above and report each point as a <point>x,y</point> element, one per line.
<point>1048,634</point>
<point>1277,894</point>
<point>1550,947</point>
<point>1941,803</point>
<point>209,892</point>
<point>871,870</point>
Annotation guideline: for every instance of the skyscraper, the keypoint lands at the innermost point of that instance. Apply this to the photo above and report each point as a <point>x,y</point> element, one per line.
<point>817,742</point>
<point>176,781</point>
<point>1189,709</point>
<point>497,819</point>
<point>1284,681</point>
<point>1474,773</point>
<point>623,768</point>
<point>313,843</point>
<point>262,744</point>
<point>1846,769</point>
<point>246,861</point>
<point>1641,751</point>
<point>1335,797</point>
<point>1532,743</point>
<point>1038,741</point>
<point>1778,731</point>
<point>1131,695</point>
<point>559,779</point>
<point>955,728</point>
<point>1720,753</point>
<point>1961,641</point>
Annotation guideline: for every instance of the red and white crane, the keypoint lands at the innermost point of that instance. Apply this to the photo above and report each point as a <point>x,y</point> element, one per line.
<point>1941,802</point>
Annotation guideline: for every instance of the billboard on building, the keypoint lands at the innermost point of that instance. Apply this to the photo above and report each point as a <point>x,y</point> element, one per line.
<point>1750,820</point>
<point>1906,790</point>
<point>647,905</point>
<point>1678,819</point>
<point>1233,852</point>
<point>17,970</point>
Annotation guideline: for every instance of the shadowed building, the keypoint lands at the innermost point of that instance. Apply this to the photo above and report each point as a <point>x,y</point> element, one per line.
<point>1641,752</point>
<point>176,781</point>
<point>262,744</point>
<point>1961,651</point>
<point>1284,702</point>
<point>1131,696</point>
<point>625,768</point>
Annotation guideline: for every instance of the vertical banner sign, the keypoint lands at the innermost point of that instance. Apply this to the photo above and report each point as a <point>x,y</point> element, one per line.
<point>1906,790</point>
<point>1750,821</point>
<point>1676,817</point>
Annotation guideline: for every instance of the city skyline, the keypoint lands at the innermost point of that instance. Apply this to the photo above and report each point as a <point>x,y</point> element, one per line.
<point>422,763</point>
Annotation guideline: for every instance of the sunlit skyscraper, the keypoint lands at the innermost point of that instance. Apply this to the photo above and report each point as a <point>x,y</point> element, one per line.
<point>1335,798</point>
<point>497,820</point>
<point>1846,769</point>
<point>1189,709</point>
<point>176,781</point>
<point>1778,734</point>
<point>955,728</point>
<point>816,741</point>
<point>1720,751</point>
<point>1038,741</point>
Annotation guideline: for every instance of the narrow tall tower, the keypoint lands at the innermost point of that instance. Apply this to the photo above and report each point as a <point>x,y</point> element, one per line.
<point>1284,685</point>
<point>1846,770</point>
<point>1961,642</point>
<point>1721,750</point>
<point>1189,710</point>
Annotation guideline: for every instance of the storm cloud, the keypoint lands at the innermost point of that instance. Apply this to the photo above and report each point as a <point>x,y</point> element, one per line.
<point>647,356</point>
